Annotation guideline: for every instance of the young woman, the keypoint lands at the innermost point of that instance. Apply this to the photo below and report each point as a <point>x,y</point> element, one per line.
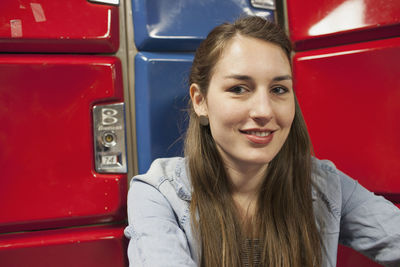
<point>248,192</point>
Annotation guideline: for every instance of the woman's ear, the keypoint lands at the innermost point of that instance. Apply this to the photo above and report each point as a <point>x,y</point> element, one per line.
<point>198,100</point>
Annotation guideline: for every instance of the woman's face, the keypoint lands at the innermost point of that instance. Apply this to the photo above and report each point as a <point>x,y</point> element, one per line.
<point>249,103</point>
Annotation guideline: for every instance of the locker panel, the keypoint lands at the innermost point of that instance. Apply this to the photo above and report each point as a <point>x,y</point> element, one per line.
<point>182,24</point>
<point>162,94</point>
<point>348,257</point>
<point>80,247</point>
<point>333,22</point>
<point>48,178</point>
<point>58,26</point>
<point>350,99</point>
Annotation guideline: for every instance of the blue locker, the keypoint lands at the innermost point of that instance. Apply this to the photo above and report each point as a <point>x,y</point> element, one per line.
<point>162,95</point>
<point>180,25</point>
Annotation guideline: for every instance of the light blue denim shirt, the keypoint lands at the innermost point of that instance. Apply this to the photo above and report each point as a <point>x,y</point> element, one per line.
<point>160,226</point>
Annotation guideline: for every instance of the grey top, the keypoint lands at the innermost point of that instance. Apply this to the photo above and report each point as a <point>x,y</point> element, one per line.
<point>160,226</point>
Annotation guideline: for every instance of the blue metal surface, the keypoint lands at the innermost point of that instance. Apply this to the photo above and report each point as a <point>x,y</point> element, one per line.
<point>180,25</point>
<point>162,94</point>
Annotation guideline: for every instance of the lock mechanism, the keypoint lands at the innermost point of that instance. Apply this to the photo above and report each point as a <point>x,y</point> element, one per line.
<point>109,138</point>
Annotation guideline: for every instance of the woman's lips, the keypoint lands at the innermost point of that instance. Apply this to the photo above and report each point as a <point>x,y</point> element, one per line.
<point>259,137</point>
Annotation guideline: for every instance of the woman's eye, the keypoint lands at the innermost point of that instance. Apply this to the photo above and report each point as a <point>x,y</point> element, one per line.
<point>237,90</point>
<point>279,90</point>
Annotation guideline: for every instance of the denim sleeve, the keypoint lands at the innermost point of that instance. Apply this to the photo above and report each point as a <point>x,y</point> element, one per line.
<point>155,236</point>
<point>369,224</point>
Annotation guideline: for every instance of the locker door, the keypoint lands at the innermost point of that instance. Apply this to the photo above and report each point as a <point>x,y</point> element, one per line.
<point>349,97</point>
<point>47,26</point>
<point>53,196</point>
<point>48,176</point>
<point>346,81</point>
<point>166,35</point>
<point>49,179</point>
<point>78,247</point>
<point>180,25</point>
<point>322,23</point>
<point>350,100</point>
<point>161,99</point>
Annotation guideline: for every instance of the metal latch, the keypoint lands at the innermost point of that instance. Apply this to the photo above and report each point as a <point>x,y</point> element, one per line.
<point>265,4</point>
<point>109,138</point>
<point>111,2</point>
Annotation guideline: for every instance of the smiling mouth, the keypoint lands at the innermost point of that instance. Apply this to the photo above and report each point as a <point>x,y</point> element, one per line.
<point>258,133</point>
<point>261,134</point>
<point>258,136</point>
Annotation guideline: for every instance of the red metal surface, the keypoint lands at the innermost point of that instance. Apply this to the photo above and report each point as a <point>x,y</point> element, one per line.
<point>350,99</point>
<point>58,26</point>
<point>350,258</point>
<point>333,22</point>
<point>48,177</point>
<point>89,246</point>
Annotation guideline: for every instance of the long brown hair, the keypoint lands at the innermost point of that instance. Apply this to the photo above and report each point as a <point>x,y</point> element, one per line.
<point>284,220</point>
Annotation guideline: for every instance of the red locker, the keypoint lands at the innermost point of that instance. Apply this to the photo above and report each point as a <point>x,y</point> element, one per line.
<point>322,23</point>
<point>100,246</point>
<point>47,139</point>
<point>52,195</point>
<point>350,258</point>
<point>52,26</point>
<point>346,74</point>
<point>349,96</point>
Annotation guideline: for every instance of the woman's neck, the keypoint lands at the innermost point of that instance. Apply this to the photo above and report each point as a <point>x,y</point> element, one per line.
<point>245,182</point>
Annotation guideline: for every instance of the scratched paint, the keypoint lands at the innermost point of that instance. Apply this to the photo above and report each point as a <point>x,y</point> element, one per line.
<point>38,12</point>
<point>16,28</point>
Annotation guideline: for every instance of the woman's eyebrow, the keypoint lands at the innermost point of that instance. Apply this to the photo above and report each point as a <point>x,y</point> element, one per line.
<point>239,77</point>
<point>282,78</point>
<point>248,78</point>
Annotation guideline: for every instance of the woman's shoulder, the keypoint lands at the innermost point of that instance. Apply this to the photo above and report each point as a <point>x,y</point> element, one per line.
<point>326,176</point>
<point>331,186</point>
<point>159,215</point>
<point>168,173</point>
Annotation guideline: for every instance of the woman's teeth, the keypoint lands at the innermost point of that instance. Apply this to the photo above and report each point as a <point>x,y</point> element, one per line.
<point>261,134</point>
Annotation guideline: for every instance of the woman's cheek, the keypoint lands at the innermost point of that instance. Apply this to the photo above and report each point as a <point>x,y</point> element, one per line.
<point>285,114</point>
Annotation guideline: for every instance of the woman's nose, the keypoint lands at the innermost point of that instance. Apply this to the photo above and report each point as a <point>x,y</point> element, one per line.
<point>261,108</point>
